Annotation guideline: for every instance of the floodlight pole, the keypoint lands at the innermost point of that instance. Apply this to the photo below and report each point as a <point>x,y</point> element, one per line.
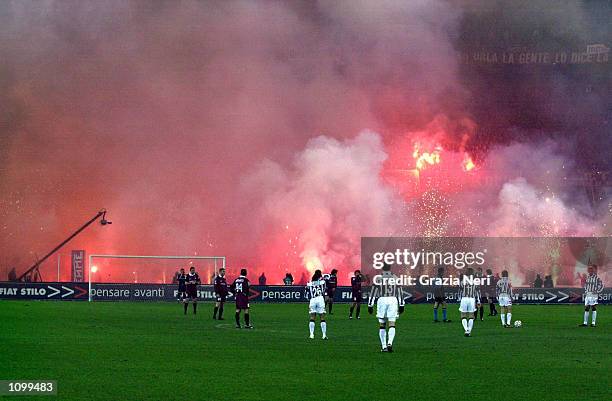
<point>101,213</point>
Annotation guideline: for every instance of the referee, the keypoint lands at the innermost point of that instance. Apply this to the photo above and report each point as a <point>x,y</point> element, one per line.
<point>440,298</point>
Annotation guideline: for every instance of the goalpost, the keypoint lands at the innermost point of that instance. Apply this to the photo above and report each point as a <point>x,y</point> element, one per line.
<point>215,259</point>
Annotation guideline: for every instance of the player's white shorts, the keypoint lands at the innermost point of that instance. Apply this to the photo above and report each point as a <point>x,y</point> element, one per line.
<point>386,308</point>
<point>467,305</point>
<point>317,305</point>
<point>505,300</point>
<point>590,299</point>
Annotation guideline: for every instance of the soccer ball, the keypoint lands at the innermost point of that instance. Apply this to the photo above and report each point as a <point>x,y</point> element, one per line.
<point>518,323</point>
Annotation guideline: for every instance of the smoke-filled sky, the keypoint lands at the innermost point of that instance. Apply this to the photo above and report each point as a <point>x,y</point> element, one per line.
<point>278,133</point>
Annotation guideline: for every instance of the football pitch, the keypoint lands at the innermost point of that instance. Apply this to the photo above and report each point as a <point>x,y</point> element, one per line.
<point>151,351</point>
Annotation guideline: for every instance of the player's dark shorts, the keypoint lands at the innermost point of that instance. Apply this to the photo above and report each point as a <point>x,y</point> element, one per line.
<point>357,297</point>
<point>192,292</point>
<point>484,300</point>
<point>242,301</point>
<point>331,292</point>
<point>182,294</point>
<point>221,298</point>
<point>439,299</point>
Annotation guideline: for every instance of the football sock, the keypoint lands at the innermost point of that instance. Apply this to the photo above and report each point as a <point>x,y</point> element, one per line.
<point>220,311</point>
<point>481,312</point>
<point>503,318</point>
<point>195,306</point>
<point>247,319</point>
<point>324,328</point>
<point>594,316</point>
<point>444,313</point>
<point>382,333</point>
<point>435,314</point>
<point>391,335</point>
<point>509,317</point>
<point>330,306</point>
<point>465,324</point>
<point>311,327</point>
<point>215,312</point>
<point>358,309</point>
<point>237,318</point>
<point>586,317</point>
<point>185,305</point>
<point>470,325</point>
<point>352,308</point>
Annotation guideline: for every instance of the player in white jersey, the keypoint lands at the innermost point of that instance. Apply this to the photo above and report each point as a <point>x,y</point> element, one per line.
<point>315,291</point>
<point>389,305</point>
<point>503,289</point>
<point>592,288</point>
<point>470,301</point>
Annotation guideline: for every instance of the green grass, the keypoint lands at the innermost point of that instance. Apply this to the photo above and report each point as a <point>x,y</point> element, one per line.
<point>150,351</point>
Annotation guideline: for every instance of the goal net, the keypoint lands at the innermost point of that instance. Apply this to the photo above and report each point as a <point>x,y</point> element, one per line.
<point>149,269</point>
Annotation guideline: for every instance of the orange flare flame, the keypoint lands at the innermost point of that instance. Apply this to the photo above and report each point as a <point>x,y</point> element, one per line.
<point>468,163</point>
<point>426,158</point>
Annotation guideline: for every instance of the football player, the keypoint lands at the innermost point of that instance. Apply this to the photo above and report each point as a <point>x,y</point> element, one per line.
<point>389,305</point>
<point>193,280</point>
<point>221,291</point>
<point>315,290</point>
<point>331,282</point>
<point>593,286</point>
<point>440,298</point>
<point>356,281</point>
<point>490,290</point>
<point>470,301</point>
<point>240,289</point>
<point>503,289</point>
<point>181,279</point>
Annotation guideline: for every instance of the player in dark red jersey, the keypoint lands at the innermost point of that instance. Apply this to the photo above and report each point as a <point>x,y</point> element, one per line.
<point>356,281</point>
<point>220,293</point>
<point>240,289</point>
<point>181,279</point>
<point>193,279</point>
<point>331,283</point>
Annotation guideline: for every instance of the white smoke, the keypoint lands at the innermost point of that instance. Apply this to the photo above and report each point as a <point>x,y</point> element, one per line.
<point>540,193</point>
<point>331,196</point>
<point>524,211</point>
